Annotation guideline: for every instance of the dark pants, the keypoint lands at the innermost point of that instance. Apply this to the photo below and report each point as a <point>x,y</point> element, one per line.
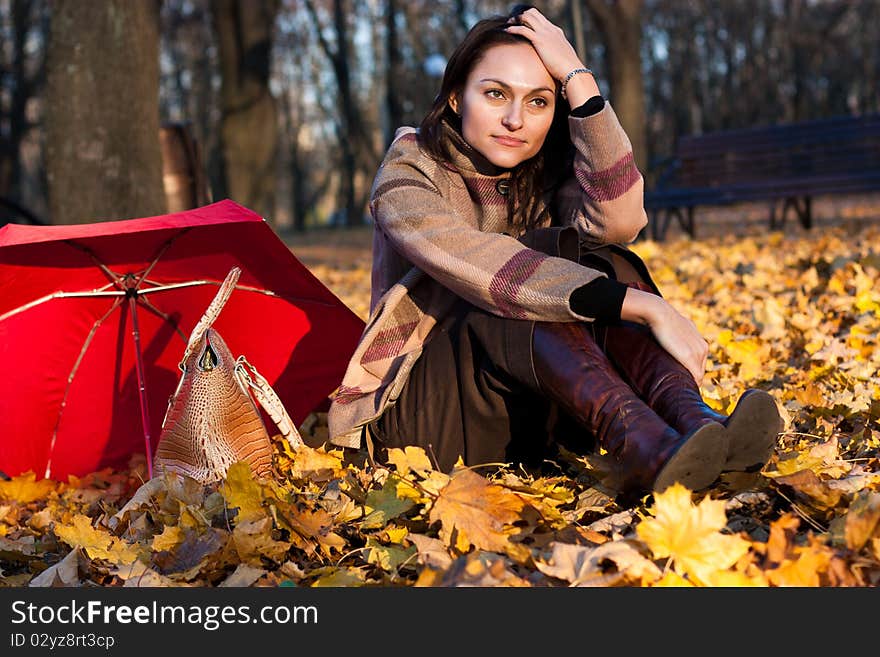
<point>472,393</point>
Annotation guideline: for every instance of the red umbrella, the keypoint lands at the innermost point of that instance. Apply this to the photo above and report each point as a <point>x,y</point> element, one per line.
<point>94,319</point>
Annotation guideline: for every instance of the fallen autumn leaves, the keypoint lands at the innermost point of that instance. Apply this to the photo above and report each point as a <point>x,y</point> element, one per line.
<point>798,317</point>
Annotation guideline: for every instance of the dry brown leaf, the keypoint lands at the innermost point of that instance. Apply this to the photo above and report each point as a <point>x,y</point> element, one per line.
<point>64,573</point>
<point>482,569</point>
<point>474,512</point>
<point>317,464</point>
<point>254,542</point>
<point>243,576</point>
<point>614,563</point>
<point>315,525</point>
<point>862,521</point>
<point>432,552</point>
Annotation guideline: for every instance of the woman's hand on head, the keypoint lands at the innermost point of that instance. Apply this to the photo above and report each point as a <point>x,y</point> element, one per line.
<point>549,41</point>
<point>675,332</point>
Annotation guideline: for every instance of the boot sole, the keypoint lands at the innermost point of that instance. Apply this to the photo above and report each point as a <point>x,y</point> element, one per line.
<point>752,430</point>
<point>698,462</point>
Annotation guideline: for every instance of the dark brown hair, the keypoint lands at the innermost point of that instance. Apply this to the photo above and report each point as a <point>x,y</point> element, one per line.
<point>537,176</point>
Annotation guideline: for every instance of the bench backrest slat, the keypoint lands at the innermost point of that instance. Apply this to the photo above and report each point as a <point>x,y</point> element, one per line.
<point>828,147</point>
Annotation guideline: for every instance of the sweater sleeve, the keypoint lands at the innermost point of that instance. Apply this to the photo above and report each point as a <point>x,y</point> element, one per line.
<point>604,198</point>
<point>601,298</point>
<point>414,204</point>
<point>590,107</point>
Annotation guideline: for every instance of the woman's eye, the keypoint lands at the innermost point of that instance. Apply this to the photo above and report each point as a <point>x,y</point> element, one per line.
<point>541,102</point>
<point>494,93</point>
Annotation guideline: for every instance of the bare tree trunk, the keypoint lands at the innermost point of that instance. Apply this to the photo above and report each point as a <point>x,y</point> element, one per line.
<point>26,87</point>
<point>299,167</point>
<point>393,72</point>
<point>576,16</point>
<point>620,24</point>
<point>354,143</point>
<point>249,129</point>
<point>461,12</point>
<point>102,111</point>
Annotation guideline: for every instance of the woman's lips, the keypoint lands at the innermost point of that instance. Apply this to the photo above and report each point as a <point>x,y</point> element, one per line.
<point>508,141</point>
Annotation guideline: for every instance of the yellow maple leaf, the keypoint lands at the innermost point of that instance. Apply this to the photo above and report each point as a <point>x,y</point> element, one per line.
<point>243,492</point>
<point>254,542</point>
<point>97,543</point>
<point>690,535</point>
<point>408,459</point>
<point>836,284</point>
<point>170,537</point>
<point>809,394</point>
<point>770,316</point>
<point>435,482</point>
<point>340,577</point>
<point>396,534</point>
<point>24,488</point>
<point>862,520</point>
<point>751,354</point>
<point>736,579</point>
<point>672,580</point>
<point>473,511</point>
<point>313,524</point>
<point>823,458</point>
<point>388,557</point>
<point>316,464</point>
<point>803,570</point>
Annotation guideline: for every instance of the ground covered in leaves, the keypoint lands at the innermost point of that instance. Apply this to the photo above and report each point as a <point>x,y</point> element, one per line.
<point>798,316</point>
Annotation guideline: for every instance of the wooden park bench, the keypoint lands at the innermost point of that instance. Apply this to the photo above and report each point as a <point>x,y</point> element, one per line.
<point>787,164</point>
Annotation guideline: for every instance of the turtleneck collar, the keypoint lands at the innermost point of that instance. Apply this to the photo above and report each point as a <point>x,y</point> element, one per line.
<point>466,158</point>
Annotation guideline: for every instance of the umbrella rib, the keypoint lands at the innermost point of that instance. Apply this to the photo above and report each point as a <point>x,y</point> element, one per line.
<point>100,265</point>
<point>70,377</point>
<point>246,288</point>
<point>149,306</point>
<point>58,295</point>
<point>159,254</point>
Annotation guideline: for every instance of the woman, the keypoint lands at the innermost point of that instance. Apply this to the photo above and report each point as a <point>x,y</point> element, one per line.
<point>503,294</point>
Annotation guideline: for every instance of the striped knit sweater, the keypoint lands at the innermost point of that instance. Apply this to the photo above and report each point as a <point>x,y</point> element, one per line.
<point>441,231</point>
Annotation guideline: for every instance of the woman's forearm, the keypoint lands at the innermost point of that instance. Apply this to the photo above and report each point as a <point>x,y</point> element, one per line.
<point>642,307</point>
<point>675,332</point>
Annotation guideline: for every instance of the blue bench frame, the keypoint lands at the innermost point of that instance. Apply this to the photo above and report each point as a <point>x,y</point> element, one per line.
<point>789,163</point>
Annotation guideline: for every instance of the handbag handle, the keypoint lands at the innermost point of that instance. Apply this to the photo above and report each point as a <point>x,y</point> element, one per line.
<point>252,380</point>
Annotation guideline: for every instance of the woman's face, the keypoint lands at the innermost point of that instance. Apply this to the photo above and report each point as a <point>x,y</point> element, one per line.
<point>507,104</point>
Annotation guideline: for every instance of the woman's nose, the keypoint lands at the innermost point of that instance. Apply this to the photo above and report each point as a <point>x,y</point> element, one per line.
<point>512,119</point>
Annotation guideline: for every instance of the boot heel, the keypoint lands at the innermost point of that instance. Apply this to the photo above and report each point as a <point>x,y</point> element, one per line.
<point>752,430</point>
<point>698,462</point>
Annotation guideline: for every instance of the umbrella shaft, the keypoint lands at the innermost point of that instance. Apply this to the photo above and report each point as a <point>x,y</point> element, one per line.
<point>142,386</point>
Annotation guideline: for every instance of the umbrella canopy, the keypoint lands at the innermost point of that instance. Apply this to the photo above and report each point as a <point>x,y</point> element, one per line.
<point>94,319</point>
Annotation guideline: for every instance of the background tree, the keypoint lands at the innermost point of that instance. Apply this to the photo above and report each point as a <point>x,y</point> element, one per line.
<point>23,76</point>
<point>393,71</point>
<point>190,79</point>
<point>248,127</point>
<point>354,143</point>
<point>349,72</point>
<point>305,137</point>
<point>102,111</point>
<point>620,24</point>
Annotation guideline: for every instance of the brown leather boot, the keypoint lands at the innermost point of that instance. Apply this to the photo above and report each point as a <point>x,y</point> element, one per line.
<point>571,369</point>
<point>670,390</point>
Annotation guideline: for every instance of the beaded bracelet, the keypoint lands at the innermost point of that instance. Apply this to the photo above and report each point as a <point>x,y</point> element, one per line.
<point>569,77</point>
